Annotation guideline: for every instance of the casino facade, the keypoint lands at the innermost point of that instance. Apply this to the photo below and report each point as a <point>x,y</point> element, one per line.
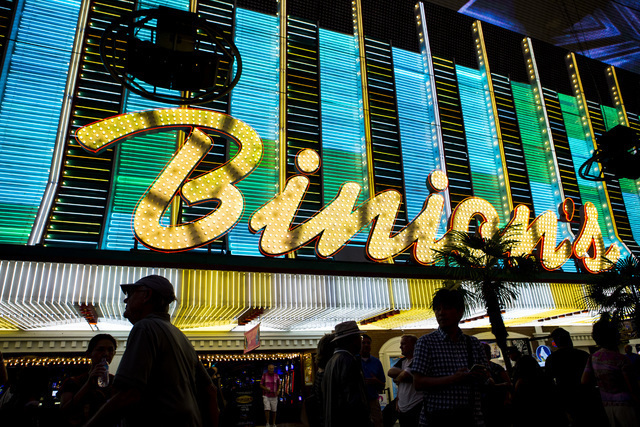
<point>315,191</point>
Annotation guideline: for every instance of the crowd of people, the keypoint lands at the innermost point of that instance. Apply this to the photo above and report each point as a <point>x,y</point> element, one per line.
<point>444,378</point>
<point>447,378</point>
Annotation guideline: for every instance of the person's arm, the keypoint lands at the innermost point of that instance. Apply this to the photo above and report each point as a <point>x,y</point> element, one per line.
<point>4,377</point>
<point>423,382</point>
<point>115,408</point>
<point>70,400</point>
<point>505,377</point>
<point>587,374</point>
<point>262,386</point>
<point>629,375</point>
<point>393,372</point>
<point>210,412</point>
<point>279,385</point>
<point>380,377</point>
<point>403,377</point>
<point>377,378</point>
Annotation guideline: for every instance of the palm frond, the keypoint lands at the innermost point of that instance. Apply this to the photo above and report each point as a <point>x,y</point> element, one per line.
<point>616,291</point>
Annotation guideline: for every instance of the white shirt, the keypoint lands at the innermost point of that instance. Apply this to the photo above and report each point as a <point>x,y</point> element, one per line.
<point>408,397</point>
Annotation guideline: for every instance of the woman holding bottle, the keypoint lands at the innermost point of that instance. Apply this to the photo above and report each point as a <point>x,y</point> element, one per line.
<point>82,396</point>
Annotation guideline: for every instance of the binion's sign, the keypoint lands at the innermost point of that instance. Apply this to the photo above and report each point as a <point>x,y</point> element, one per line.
<point>337,222</point>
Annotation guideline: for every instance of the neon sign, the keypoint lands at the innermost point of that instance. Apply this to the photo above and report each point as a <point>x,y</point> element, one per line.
<point>336,223</point>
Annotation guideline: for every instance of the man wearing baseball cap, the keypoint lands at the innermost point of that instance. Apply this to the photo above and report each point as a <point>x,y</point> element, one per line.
<point>160,380</point>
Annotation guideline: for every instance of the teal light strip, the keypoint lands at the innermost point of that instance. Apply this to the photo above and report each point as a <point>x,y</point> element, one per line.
<point>33,89</point>
<point>477,124</point>
<point>255,101</point>
<point>417,135</point>
<point>343,142</point>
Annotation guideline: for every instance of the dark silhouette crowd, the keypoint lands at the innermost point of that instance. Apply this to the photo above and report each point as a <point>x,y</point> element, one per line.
<point>445,378</point>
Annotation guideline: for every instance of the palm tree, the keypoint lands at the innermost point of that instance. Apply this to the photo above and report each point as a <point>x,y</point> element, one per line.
<point>617,292</point>
<point>491,274</point>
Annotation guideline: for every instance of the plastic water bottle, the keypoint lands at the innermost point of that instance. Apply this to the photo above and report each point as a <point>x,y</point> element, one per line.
<point>103,380</point>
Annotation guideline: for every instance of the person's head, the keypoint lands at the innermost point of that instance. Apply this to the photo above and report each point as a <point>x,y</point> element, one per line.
<point>101,346</point>
<point>271,368</point>
<point>347,336</point>
<point>448,306</point>
<point>487,350</point>
<point>514,353</point>
<point>605,333</point>
<point>407,345</point>
<point>365,346</point>
<point>325,350</point>
<point>151,294</point>
<point>562,338</point>
<point>628,349</point>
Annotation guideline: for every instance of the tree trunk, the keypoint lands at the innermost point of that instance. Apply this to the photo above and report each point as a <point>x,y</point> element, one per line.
<point>498,329</point>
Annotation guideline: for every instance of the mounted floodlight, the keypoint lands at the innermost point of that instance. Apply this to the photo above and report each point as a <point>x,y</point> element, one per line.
<point>618,154</point>
<point>170,49</point>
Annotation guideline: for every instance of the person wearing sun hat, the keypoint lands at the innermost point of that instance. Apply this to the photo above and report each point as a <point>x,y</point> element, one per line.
<point>160,380</point>
<point>343,390</point>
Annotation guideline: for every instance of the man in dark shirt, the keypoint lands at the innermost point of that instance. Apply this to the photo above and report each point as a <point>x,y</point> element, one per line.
<point>160,380</point>
<point>565,367</point>
<point>373,379</point>
<point>343,391</point>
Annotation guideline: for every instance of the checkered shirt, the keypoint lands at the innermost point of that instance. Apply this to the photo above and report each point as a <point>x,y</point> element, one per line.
<point>436,355</point>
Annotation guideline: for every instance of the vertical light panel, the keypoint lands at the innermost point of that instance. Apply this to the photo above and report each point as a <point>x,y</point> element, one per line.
<point>545,189</point>
<point>255,101</point>
<point>581,150</point>
<point>432,98</point>
<point>491,101</point>
<point>484,159</point>
<point>415,115</point>
<point>139,160</point>
<point>545,194</point>
<point>626,206</point>
<point>33,85</point>
<point>343,143</point>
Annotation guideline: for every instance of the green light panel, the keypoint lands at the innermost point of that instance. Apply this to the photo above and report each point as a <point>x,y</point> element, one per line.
<point>512,143</point>
<point>477,124</point>
<point>581,149</point>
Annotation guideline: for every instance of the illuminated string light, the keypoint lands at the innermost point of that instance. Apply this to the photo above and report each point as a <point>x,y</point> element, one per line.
<point>336,223</point>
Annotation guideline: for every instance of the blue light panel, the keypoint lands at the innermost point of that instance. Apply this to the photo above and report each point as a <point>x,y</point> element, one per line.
<point>477,125</point>
<point>254,100</point>
<point>343,141</point>
<point>416,133</point>
<point>32,92</point>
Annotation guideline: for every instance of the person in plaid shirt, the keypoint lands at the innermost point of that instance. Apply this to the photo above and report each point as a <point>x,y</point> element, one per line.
<point>449,367</point>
